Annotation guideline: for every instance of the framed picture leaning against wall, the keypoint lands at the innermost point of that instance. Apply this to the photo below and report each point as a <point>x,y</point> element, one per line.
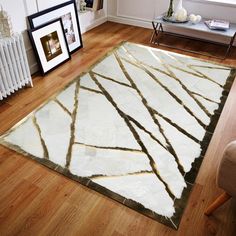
<point>68,13</point>
<point>50,46</point>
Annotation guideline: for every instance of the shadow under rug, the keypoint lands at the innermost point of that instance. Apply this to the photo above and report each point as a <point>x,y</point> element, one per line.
<point>135,127</point>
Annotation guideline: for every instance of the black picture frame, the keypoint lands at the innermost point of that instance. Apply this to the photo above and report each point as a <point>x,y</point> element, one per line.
<point>68,13</point>
<point>50,45</point>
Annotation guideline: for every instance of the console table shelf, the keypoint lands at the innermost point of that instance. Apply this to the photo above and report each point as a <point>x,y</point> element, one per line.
<point>158,24</point>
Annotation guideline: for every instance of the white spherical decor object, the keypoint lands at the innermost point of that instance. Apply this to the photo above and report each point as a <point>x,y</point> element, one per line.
<point>192,18</point>
<point>195,18</point>
<point>199,18</point>
<point>181,15</point>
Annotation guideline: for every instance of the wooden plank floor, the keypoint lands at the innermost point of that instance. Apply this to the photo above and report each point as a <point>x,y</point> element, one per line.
<point>37,201</point>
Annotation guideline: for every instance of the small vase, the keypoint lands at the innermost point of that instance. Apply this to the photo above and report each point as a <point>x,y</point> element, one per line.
<point>82,6</point>
<point>180,13</point>
<point>179,5</point>
<point>170,9</point>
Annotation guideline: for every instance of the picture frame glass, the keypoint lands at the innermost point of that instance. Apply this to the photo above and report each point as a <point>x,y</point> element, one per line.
<point>50,44</point>
<point>67,12</point>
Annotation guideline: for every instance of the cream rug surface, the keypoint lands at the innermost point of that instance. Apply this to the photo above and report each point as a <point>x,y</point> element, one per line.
<point>135,127</point>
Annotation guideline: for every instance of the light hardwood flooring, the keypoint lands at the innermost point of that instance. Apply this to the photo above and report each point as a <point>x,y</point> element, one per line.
<point>37,201</point>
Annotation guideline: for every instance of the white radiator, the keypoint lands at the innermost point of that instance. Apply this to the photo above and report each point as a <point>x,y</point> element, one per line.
<point>14,68</point>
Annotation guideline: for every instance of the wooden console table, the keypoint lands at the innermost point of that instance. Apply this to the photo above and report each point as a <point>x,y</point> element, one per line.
<point>158,24</point>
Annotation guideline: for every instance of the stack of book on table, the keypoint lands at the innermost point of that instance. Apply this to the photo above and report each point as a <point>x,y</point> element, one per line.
<point>217,24</point>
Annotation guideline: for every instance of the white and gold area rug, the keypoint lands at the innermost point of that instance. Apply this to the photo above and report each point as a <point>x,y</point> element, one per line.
<point>135,127</point>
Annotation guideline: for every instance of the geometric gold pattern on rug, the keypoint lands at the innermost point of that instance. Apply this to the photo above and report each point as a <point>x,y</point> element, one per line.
<point>135,127</point>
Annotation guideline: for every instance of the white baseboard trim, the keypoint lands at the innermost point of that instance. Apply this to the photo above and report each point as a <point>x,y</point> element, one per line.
<point>95,24</point>
<point>130,21</point>
<point>34,68</point>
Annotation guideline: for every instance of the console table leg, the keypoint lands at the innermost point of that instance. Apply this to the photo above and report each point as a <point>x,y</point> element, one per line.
<point>154,31</point>
<point>161,27</point>
<point>230,45</point>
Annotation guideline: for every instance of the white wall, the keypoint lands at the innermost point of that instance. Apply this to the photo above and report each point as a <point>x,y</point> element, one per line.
<point>20,9</point>
<point>146,10</point>
<point>90,19</point>
<point>141,13</point>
